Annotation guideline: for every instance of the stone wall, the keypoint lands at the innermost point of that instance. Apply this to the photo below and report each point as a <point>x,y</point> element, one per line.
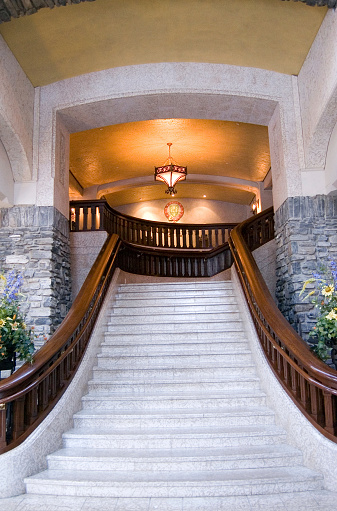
<point>35,241</point>
<point>306,236</point>
<point>265,258</point>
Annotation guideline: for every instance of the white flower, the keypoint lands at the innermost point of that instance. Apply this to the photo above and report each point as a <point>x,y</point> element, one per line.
<point>328,290</point>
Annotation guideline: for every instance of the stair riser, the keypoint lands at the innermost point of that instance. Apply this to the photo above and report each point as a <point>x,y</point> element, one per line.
<point>171,442</point>
<point>170,464</point>
<point>129,490</point>
<point>172,308</point>
<point>169,422</point>
<point>124,301</point>
<point>178,327</point>
<point>144,388</point>
<point>168,404</point>
<point>193,375</point>
<point>181,287</point>
<point>173,361</point>
<point>169,349</point>
<point>161,320</point>
<point>191,337</point>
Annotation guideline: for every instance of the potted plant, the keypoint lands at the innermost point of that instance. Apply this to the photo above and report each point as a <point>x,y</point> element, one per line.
<point>16,339</point>
<point>323,291</point>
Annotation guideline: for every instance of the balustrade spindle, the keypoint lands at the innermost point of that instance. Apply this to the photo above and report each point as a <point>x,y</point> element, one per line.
<point>3,410</point>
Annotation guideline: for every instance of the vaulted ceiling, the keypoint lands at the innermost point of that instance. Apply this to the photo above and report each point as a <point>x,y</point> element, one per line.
<point>55,44</point>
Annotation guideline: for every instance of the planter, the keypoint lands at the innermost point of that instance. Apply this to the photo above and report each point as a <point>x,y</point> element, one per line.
<point>8,364</point>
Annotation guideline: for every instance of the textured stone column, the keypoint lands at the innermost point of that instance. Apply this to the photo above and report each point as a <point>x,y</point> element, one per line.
<point>35,241</point>
<point>306,236</point>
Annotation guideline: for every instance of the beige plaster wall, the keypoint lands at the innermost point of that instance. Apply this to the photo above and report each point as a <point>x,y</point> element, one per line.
<point>195,211</point>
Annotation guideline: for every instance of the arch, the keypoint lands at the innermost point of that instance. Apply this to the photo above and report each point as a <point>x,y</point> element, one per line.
<point>175,90</point>
<point>15,151</point>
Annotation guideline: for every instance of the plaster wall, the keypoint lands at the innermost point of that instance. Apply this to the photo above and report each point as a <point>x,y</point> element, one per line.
<point>195,211</point>
<point>317,84</point>
<point>331,164</point>
<point>84,249</point>
<point>168,90</point>
<point>6,180</point>
<point>16,114</point>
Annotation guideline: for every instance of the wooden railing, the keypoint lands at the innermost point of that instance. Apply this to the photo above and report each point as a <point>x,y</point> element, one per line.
<point>166,263</point>
<point>310,383</point>
<point>32,391</point>
<point>97,215</point>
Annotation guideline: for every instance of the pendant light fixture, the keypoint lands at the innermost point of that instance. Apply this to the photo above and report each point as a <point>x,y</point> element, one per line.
<point>170,173</point>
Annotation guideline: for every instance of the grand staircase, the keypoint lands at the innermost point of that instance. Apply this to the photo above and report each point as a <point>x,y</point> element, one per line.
<point>174,407</point>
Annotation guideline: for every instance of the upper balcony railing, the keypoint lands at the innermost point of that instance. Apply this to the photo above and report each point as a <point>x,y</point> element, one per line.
<point>97,215</point>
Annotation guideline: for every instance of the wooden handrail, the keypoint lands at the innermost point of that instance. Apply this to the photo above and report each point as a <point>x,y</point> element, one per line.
<point>310,383</point>
<point>96,215</point>
<point>32,391</point>
<point>178,263</point>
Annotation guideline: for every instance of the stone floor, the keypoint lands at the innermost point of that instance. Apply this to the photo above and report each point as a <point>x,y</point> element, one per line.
<point>306,501</point>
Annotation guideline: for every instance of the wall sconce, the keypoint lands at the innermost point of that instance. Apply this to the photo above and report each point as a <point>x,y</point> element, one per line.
<point>255,206</point>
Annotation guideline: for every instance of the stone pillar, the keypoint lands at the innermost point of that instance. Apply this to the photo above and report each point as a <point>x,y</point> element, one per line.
<point>306,236</point>
<point>34,240</point>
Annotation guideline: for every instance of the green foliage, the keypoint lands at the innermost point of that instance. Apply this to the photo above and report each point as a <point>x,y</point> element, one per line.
<point>15,336</point>
<point>322,287</point>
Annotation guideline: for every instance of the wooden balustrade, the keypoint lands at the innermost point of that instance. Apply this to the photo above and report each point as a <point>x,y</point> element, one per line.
<point>310,383</point>
<point>97,215</point>
<point>166,263</point>
<point>32,391</point>
<point>28,395</point>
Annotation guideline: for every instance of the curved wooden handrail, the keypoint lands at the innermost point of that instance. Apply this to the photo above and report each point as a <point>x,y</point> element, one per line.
<point>308,381</point>
<point>27,396</point>
<point>95,215</point>
<point>179,263</point>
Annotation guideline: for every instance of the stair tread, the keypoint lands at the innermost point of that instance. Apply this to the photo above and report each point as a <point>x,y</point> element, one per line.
<point>94,396</point>
<point>178,412</point>
<point>239,476</point>
<point>234,431</point>
<point>278,450</point>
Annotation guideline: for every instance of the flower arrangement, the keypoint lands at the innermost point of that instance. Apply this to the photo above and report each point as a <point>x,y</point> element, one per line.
<point>15,336</point>
<point>324,297</point>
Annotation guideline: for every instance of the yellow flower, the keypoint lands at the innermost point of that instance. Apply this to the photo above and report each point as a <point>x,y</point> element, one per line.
<point>332,315</point>
<point>328,290</point>
<point>2,322</point>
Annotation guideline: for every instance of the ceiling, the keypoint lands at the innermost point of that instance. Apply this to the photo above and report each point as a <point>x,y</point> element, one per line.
<point>207,147</point>
<point>59,43</point>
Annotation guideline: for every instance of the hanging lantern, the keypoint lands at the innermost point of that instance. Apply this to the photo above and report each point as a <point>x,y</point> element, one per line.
<point>170,173</point>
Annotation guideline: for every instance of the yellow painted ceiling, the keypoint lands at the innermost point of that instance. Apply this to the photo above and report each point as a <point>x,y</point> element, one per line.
<point>208,147</point>
<point>67,41</point>
<point>184,190</point>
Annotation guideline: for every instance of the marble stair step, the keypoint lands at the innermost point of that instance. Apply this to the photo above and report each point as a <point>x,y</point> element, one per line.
<point>172,308</point>
<point>174,484</point>
<point>170,317</point>
<point>111,349</point>
<point>172,373</point>
<point>202,401</point>
<point>181,287</point>
<point>206,459</point>
<point>177,300</point>
<point>187,336</point>
<point>173,361</point>
<point>172,418</point>
<point>138,388</point>
<point>175,438</point>
<point>177,327</point>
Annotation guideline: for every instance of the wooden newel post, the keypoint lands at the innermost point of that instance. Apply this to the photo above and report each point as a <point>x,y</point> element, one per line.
<point>3,442</point>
